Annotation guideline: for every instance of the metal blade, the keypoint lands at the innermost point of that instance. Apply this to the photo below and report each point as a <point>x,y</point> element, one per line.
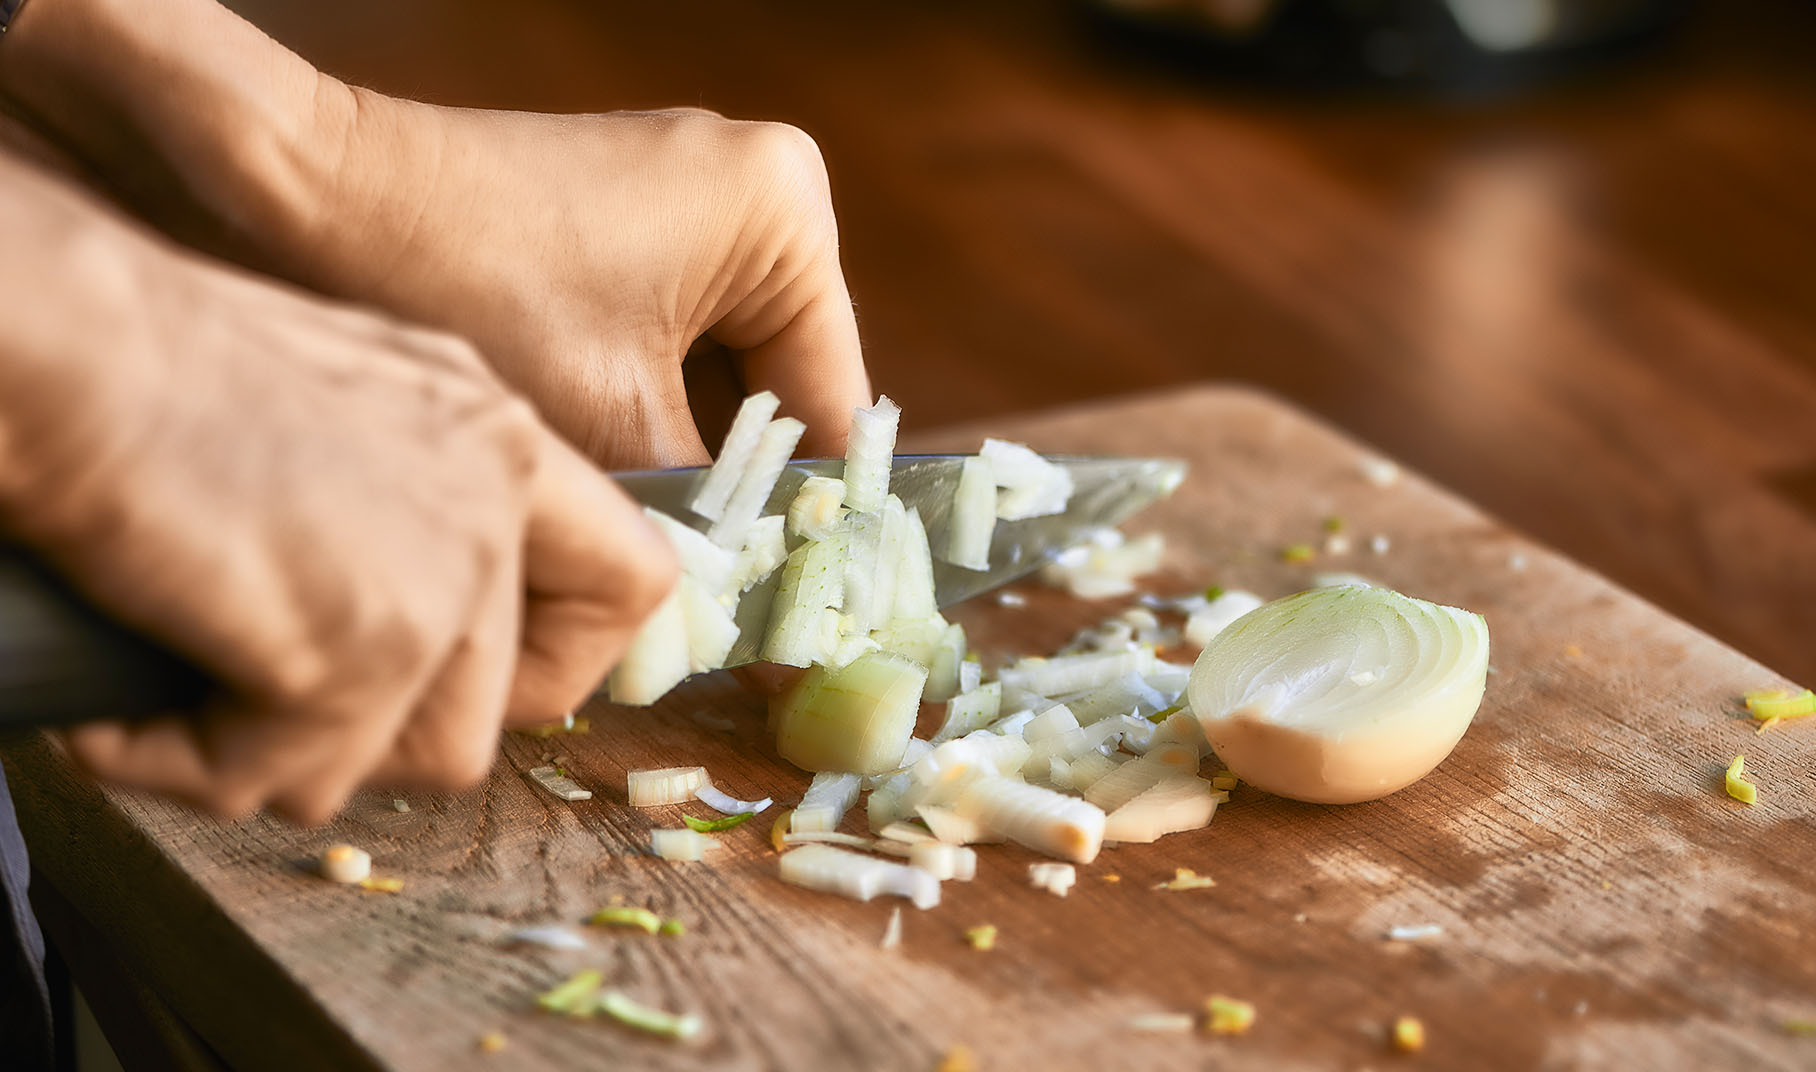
<point>1106,491</point>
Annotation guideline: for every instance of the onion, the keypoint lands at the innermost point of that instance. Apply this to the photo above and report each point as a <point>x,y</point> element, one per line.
<point>734,456</point>
<point>711,796</point>
<point>868,454</point>
<point>1278,695</point>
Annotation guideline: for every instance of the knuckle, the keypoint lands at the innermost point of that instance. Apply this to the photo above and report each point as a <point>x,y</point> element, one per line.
<point>789,152</point>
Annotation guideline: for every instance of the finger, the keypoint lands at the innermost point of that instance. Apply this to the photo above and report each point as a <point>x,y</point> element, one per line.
<point>451,738</point>
<point>162,755</point>
<point>815,365</point>
<point>594,568</point>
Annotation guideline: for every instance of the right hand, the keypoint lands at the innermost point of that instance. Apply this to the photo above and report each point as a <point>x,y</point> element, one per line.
<point>377,549</point>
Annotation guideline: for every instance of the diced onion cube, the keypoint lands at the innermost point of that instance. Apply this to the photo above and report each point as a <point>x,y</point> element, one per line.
<point>669,785</point>
<point>856,718</point>
<point>682,844</point>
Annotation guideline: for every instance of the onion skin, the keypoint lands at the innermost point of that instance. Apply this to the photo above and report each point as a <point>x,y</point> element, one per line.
<point>1341,752</point>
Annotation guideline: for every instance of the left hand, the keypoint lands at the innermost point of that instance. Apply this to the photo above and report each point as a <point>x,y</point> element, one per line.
<point>586,256</point>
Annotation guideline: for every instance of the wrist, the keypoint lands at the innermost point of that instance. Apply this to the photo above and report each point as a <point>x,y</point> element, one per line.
<point>193,117</point>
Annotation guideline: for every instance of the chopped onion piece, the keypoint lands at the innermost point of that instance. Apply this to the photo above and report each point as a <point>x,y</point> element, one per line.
<point>716,826</point>
<point>1227,1016</point>
<point>764,549</point>
<point>829,837</point>
<point>1184,878</point>
<point>892,934</point>
<point>944,861</point>
<point>641,919</point>
<point>973,520</point>
<point>1414,933</point>
<point>558,784</point>
<point>346,864</point>
<point>1177,803</point>
<point>915,595</point>
<point>757,481</point>
<point>735,455</point>
<point>1408,1035</point>
<point>1057,879</point>
<point>1039,819</point>
<point>1032,485</point>
<point>905,832</point>
<point>953,828</point>
<point>711,630</point>
<point>1128,781</point>
<point>831,870</point>
<point>1176,1023</point>
<point>669,785</point>
<point>1064,674</point>
<point>1277,697</point>
<point>868,454</point>
<point>700,558</point>
<point>574,997</point>
<point>970,675</point>
<point>657,659</point>
<point>969,711</point>
<point>816,508</point>
<point>943,671</point>
<point>1736,783</point>
<point>829,796</point>
<point>801,630</point>
<point>856,718</point>
<point>709,795</point>
<point>1219,614</point>
<point>652,1021</point>
<point>1088,769</point>
<point>1107,567</point>
<point>1780,703</point>
<point>682,844</point>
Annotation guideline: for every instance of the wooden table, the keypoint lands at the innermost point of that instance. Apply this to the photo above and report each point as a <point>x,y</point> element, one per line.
<point>1602,902</point>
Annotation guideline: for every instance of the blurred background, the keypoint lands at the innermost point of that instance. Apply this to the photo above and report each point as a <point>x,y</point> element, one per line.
<point>1559,255</point>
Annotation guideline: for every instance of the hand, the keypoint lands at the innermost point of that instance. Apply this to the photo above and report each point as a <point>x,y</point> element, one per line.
<point>378,549</point>
<point>586,255</point>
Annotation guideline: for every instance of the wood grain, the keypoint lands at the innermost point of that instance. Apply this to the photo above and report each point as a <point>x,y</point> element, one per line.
<point>1603,903</point>
<point>1590,307</point>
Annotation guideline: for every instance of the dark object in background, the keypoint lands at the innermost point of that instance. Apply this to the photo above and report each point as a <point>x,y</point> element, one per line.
<point>1460,45</point>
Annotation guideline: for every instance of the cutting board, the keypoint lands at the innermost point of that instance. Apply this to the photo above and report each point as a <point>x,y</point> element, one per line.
<point>1601,902</point>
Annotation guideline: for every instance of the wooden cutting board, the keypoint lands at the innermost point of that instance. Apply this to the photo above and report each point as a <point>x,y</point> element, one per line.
<point>1602,902</point>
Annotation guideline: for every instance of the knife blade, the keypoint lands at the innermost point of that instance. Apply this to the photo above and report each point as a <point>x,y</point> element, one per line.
<point>62,661</point>
<point>1106,491</point>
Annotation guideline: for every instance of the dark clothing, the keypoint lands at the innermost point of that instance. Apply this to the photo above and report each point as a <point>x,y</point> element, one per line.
<point>25,1029</point>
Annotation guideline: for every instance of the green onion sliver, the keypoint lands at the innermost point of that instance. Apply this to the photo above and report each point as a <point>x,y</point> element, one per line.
<point>713,826</point>
<point>654,1021</point>
<point>573,997</point>
<point>627,916</point>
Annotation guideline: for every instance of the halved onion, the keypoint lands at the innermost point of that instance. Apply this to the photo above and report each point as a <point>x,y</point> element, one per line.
<point>1286,697</point>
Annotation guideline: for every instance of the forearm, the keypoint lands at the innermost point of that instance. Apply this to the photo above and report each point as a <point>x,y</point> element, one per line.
<point>189,113</point>
<point>78,359</point>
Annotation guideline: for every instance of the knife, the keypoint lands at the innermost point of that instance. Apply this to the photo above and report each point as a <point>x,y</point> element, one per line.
<point>62,661</point>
